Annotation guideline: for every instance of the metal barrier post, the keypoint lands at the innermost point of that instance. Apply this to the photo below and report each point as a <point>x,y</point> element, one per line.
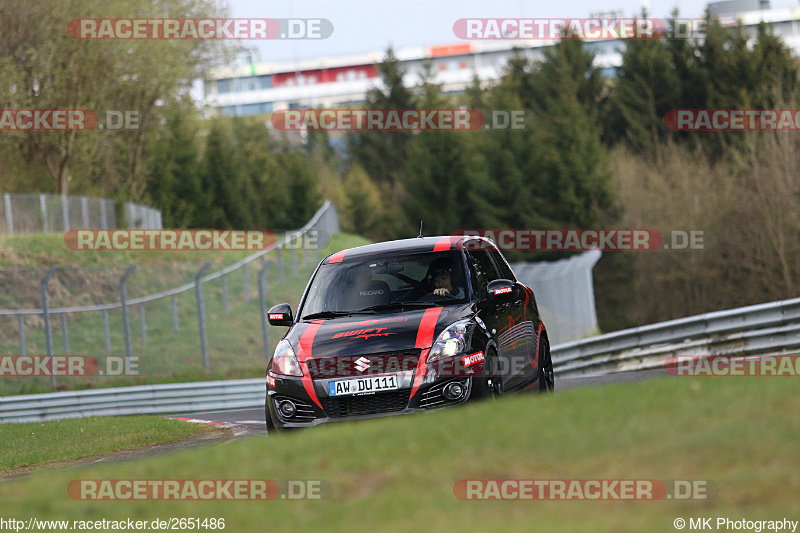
<point>225,294</point>
<point>48,332</point>
<point>201,313</point>
<point>106,331</point>
<point>21,326</point>
<point>142,324</point>
<point>173,304</point>
<point>64,333</point>
<point>123,297</point>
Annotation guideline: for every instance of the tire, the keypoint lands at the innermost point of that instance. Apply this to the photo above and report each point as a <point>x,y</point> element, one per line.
<point>547,382</point>
<point>487,387</point>
<point>270,424</point>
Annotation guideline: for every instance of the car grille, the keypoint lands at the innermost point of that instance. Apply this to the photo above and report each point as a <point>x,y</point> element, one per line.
<point>345,366</point>
<point>432,398</point>
<point>385,402</point>
<point>305,413</point>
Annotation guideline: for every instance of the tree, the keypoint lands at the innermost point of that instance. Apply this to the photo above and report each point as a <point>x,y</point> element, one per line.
<point>46,68</point>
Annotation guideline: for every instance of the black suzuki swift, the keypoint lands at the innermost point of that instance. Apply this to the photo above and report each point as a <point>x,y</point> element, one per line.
<point>405,326</point>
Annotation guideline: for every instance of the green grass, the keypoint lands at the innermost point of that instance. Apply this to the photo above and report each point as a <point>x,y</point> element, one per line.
<point>397,473</point>
<point>234,340</point>
<point>27,445</point>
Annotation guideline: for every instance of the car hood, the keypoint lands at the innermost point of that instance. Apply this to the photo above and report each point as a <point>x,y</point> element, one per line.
<point>374,334</point>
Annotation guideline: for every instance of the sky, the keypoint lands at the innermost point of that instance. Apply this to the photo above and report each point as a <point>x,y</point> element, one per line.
<point>366,26</point>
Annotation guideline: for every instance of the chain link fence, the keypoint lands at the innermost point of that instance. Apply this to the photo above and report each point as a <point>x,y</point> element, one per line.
<point>145,323</point>
<point>50,213</point>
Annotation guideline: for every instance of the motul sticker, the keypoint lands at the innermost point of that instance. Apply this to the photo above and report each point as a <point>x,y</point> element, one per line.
<point>504,290</point>
<point>270,381</point>
<point>276,316</point>
<point>475,358</point>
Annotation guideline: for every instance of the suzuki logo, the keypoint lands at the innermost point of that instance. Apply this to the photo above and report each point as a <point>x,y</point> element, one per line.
<point>361,364</point>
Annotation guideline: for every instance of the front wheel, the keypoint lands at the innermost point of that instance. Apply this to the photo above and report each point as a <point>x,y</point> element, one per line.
<point>487,386</point>
<point>270,424</point>
<point>547,380</point>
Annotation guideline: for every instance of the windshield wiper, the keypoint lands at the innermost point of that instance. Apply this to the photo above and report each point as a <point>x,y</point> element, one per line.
<point>396,305</point>
<point>327,314</point>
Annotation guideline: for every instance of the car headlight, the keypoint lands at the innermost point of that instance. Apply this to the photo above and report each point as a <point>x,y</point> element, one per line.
<point>452,341</point>
<point>284,362</point>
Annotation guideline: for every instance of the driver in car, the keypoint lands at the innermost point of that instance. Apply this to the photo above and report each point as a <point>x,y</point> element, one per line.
<point>441,277</point>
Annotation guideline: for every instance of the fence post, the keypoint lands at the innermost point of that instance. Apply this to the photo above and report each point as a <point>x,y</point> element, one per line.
<point>142,324</point>
<point>246,279</point>
<point>65,212</point>
<point>64,333</point>
<point>106,331</point>
<point>85,212</point>
<point>123,296</point>
<point>103,224</point>
<point>21,326</point>
<point>43,209</point>
<point>201,313</point>
<point>262,304</point>
<point>174,306</point>
<point>48,332</point>
<point>294,260</point>
<point>225,294</point>
<point>9,215</point>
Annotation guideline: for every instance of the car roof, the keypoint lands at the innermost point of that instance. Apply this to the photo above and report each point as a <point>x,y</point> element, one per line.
<point>416,245</point>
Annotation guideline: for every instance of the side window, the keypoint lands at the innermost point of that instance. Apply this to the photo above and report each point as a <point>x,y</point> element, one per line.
<point>483,271</point>
<point>502,264</point>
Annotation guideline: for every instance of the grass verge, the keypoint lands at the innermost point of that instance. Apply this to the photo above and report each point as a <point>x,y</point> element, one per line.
<point>26,446</point>
<point>397,473</point>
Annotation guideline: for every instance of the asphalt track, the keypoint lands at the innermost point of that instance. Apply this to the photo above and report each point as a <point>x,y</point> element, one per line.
<point>248,422</point>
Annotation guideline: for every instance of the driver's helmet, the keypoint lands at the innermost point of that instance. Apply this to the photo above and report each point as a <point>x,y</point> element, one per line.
<point>443,265</point>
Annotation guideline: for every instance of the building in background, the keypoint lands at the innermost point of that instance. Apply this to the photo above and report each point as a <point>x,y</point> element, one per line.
<point>251,87</point>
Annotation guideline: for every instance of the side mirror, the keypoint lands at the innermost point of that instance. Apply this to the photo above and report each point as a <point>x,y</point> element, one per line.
<point>500,288</point>
<point>280,315</point>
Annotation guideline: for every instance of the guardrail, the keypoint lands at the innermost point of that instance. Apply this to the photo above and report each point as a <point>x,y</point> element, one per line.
<point>146,399</point>
<point>772,327</point>
<point>745,330</point>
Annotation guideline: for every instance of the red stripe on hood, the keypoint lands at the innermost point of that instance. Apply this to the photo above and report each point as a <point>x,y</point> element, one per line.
<point>306,344</point>
<point>338,256</point>
<point>427,326</point>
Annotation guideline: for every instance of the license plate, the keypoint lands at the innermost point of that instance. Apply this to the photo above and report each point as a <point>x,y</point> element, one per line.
<point>362,385</point>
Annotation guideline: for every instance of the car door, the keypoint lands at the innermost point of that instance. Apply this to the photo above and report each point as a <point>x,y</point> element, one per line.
<point>518,334</point>
<point>493,311</point>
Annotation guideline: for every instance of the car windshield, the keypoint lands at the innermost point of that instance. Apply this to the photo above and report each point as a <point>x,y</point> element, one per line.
<point>409,280</point>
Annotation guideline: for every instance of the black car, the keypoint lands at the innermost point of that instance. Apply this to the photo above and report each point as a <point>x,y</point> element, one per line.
<point>404,326</point>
